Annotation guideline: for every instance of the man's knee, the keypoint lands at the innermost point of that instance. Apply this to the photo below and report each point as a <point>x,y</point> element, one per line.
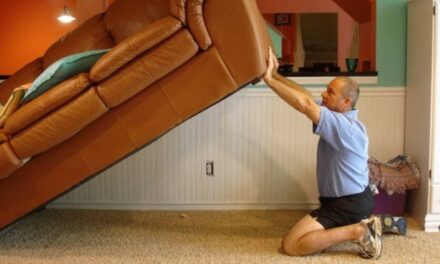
<point>294,243</point>
<point>291,248</point>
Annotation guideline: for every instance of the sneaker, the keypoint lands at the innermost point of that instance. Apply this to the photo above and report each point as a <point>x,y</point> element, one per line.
<point>371,241</point>
<point>393,224</point>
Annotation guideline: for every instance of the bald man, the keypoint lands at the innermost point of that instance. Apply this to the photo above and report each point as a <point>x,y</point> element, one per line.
<point>346,202</point>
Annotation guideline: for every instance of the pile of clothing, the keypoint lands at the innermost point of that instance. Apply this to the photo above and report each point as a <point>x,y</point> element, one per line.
<point>396,176</point>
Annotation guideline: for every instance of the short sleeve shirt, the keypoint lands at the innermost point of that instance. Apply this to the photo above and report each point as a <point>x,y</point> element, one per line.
<point>342,162</point>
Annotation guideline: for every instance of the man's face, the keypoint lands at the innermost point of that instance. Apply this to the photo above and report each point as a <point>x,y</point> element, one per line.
<point>333,98</point>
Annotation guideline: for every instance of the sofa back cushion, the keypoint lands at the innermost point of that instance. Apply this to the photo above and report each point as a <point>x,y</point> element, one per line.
<point>125,17</point>
<point>147,68</point>
<point>92,35</point>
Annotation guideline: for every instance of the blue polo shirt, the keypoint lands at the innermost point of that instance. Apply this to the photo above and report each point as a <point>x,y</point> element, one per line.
<point>342,167</point>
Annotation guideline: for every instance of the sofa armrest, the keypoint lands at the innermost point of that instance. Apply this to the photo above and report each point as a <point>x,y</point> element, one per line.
<point>134,46</point>
<point>245,58</point>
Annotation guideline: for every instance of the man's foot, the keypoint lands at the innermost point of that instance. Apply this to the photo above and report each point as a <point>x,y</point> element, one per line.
<point>371,241</point>
<point>393,224</point>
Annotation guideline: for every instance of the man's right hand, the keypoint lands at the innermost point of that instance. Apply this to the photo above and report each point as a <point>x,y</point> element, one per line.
<point>272,67</point>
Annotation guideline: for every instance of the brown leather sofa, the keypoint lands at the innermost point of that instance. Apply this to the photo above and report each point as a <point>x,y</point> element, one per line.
<point>168,61</point>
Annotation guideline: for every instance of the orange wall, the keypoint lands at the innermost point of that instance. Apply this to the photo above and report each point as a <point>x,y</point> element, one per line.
<point>29,27</point>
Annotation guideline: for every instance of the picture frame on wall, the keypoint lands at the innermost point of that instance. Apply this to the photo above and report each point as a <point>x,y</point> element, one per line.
<point>282,19</point>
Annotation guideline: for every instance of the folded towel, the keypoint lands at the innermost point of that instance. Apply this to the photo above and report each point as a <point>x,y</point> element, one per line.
<point>13,103</point>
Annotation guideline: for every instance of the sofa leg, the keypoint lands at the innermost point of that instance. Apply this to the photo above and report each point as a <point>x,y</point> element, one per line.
<point>40,209</point>
<point>255,81</point>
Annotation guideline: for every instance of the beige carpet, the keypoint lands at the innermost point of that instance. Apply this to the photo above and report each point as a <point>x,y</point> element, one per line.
<point>83,236</point>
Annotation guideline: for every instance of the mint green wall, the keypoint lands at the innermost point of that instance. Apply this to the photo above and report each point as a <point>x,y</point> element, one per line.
<point>276,40</point>
<point>391,42</point>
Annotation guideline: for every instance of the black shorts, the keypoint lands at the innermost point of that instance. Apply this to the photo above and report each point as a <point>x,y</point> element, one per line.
<point>344,210</point>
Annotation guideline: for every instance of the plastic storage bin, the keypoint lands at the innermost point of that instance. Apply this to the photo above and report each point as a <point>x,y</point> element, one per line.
<point>393,204</point>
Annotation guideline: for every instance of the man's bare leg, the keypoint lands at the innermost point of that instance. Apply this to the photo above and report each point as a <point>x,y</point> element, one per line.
<point>308,236</point>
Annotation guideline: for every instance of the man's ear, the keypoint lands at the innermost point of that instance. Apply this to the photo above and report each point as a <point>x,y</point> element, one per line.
<point>348,101</point>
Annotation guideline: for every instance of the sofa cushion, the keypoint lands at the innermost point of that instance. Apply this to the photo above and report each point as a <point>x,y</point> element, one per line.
<point>61,70</point>
<point>92,35</point>
<point>147,68</point>
<point>134,45</point>
<point>43,105</point>
<point>59,125</point>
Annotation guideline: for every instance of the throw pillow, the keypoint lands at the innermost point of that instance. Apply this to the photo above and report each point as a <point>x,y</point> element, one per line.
<point>61,70</point>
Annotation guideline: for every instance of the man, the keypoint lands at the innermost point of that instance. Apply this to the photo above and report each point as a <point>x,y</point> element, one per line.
<point>342,169</point>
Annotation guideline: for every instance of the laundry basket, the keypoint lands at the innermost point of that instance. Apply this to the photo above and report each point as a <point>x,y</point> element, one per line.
<point>393,179</point>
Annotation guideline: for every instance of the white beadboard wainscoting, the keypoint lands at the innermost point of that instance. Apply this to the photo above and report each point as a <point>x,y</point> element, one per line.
<point>264,156</point>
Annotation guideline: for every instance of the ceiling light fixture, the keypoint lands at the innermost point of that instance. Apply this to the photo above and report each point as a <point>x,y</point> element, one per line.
<point>66,17</point>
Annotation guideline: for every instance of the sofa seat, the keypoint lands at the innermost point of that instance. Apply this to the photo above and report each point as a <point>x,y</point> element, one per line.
<point>58,125</point>
<point>43,105</point>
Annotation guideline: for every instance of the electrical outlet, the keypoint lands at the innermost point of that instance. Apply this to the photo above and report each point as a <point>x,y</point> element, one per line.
<point>210,168</point>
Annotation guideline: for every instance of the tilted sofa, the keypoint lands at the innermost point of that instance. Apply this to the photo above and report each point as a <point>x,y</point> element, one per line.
<point>168,61</point>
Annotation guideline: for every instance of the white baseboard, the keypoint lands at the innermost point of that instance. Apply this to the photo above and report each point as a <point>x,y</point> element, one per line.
<point>183,207</point>
<point>432,223</point>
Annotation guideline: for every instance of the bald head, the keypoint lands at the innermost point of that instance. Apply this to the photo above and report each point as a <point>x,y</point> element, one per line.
<point>350,89</point>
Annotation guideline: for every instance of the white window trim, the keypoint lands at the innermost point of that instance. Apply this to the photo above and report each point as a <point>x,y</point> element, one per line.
<point>324,80</point>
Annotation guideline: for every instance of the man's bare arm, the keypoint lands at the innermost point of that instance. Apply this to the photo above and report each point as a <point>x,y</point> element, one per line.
<point>294,94</point>
<point>291,83</point>
<point>299,100</point>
